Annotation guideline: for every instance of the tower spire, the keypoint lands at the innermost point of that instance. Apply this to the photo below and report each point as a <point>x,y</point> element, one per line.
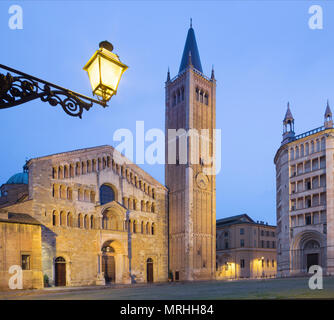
<point>168,75</point>
<point>190,46</point>
<point>288,114</point>
<point>213,73</point>
<point>288,126</point>
<point>328,117</point>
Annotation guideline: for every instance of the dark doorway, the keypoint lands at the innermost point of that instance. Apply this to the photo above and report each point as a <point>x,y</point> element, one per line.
<point>60,272</point>
<point>108,267</point>
<point>149,270</point>
<point>312,259</point>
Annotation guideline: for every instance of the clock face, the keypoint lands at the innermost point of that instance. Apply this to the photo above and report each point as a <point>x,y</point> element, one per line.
<point>202,180</point>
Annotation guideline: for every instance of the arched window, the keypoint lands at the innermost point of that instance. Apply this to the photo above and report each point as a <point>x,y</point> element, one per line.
<point>153,229</point>
<point>92,222</point>
<point>206,98</point>
<point>54,218</point>
<point>86,222</point>
<point>69,193</point>
<point>54,173</point>
<point>63,218</point>
<point>60,173</point>
<point>69,220</point>
<point>83,167</point>
<point>77,169</point>
<point>107,194</point>
<point>71,171</point>
<point>66,171</point>
<point>80,222</point>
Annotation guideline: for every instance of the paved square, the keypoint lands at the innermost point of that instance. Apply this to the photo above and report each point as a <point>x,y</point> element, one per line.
<point>291,288</point>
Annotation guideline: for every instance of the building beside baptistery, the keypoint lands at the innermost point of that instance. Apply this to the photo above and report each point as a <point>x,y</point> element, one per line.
<point>84,217</point>
<point>305,198</point>
<point>245,248</point>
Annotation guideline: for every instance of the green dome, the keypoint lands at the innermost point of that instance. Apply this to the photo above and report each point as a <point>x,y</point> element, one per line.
<point>18,178</point>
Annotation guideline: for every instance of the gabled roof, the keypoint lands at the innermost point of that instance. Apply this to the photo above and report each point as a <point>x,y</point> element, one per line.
<point>190,49</point>
<point>21,218</point>
<point>241,218</point>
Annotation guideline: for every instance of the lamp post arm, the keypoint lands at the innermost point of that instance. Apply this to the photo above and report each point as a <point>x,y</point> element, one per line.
<point>22,87</point>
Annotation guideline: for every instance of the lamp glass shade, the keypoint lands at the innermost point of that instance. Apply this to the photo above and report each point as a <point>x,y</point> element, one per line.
<point>105,71</point>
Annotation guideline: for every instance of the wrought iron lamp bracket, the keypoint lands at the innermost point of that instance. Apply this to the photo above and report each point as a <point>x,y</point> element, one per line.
<point>21,88</point>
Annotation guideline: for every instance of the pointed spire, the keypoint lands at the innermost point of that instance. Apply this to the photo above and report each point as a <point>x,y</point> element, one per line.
<point>288,115</point>
<point>168,75</point>
<point>190,46</point>
<point>328,117</point>
<point>328,112</point>
<point>191,22</point>
<point>213,73</point>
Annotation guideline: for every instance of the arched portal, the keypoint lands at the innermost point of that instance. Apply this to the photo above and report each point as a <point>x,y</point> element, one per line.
<point>60,272</point>
<point>108,263</point>
<point>309,248</point>
<point>149,270</point>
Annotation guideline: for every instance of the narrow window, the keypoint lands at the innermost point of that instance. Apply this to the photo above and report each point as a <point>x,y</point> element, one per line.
<point>25,262</point>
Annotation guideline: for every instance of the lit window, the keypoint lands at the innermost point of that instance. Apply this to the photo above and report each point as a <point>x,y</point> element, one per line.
<point>25,262</point>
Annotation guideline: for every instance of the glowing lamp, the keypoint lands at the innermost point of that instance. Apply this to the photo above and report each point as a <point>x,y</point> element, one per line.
<point>105,70</point>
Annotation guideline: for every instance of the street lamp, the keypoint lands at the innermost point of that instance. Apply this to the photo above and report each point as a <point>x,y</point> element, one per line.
<point>104,70</point>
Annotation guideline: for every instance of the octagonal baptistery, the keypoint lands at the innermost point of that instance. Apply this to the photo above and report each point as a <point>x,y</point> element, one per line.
<point>103,219</point>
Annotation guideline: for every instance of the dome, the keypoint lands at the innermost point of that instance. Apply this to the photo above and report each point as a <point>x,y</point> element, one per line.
<point>18,178</point>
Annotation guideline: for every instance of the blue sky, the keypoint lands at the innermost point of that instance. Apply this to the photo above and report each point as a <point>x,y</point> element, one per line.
<point>263,52</point>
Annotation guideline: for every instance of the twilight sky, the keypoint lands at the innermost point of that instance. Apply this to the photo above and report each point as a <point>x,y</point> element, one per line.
<point>263,52</point>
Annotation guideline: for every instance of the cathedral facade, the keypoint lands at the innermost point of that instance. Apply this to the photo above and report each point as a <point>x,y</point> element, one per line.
<point>102,219</point>
<point>91,217</point>
<point>305,198</point>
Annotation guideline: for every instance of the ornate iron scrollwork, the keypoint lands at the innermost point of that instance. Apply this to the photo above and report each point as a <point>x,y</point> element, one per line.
<point>16,90</point>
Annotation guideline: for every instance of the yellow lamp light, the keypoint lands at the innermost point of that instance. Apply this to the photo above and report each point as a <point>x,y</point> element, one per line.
<point>105,70</point>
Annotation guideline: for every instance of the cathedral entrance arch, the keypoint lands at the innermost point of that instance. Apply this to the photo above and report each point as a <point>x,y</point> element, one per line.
<point>112,261</point>
<point>108,263</point>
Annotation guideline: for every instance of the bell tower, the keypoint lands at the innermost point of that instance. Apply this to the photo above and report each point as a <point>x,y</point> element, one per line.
<point>191,107</point>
